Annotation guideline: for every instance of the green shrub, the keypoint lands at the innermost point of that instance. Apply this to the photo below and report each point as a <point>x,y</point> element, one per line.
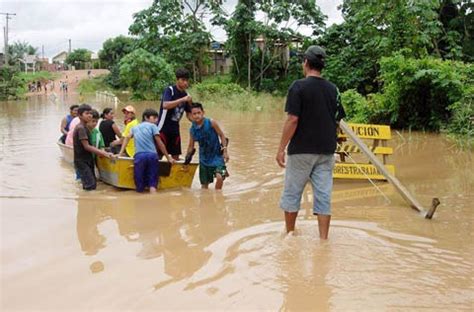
<point>223,89</point>
<point>356,106</point>
<point>146,74</point>
<point>460,126</point>
<point>92,85</point>
<point>418,93</point>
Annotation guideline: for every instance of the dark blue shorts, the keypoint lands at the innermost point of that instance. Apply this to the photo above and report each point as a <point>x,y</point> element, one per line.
<point>145,170</point>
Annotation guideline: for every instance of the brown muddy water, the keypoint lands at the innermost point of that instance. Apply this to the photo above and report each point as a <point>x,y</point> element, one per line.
<point>63,249</point>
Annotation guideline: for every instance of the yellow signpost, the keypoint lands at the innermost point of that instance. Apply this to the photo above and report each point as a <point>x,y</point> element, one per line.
<point>359,171</point>
<point>348,168</point>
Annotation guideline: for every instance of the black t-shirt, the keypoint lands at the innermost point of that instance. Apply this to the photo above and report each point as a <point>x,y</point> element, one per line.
<point>81,133</point>
<point>169,118</point>
<point>317,104</point>
<point>107,131</point>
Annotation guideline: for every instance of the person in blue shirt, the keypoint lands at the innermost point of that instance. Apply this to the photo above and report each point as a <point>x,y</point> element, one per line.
<point>66,121</point>
<point>213,154</point>
<point>174,103</point>
<point>145,160</point>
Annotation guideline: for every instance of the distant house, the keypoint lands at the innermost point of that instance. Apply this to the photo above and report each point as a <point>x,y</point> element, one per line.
<point>95,61</point>
<point>282,48</point>
<point>30,63</point>
<point>220,62</point>
<point>60,58</point>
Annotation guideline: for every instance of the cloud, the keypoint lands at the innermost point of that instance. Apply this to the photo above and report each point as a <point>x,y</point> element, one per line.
<point>88,23</point>
<point>52,22</point>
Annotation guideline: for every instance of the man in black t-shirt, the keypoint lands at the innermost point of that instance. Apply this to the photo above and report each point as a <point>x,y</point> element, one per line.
<point>175,102</point>
<point>314,111</point>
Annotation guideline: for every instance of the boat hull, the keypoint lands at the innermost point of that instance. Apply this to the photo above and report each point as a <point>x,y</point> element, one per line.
<point>119,172</point>
<point>67,152</point>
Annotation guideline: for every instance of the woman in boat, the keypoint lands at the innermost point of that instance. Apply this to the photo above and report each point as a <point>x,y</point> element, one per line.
<point>108,128</point>
<point>66,122</point>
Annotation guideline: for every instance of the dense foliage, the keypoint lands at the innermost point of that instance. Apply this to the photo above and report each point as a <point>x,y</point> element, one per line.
<point>113,50</point>
<point>17,52</point>
<point>175,30</point>
<point>78,58</point>
<point>260,46</point>
<point>146,74</point>
<point>400,62</point>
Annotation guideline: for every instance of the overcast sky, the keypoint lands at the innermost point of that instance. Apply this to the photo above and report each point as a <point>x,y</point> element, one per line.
<point>88,23</point>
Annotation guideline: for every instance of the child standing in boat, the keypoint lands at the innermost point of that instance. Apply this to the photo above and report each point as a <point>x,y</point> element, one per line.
<point>145,161</point>
<point>213,154</point>
<point>83,151</point>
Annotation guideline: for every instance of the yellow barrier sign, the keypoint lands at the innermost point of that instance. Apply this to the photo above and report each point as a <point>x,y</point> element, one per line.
<point>377,132</point>
<point>349,148</point>
<point>359,171</point>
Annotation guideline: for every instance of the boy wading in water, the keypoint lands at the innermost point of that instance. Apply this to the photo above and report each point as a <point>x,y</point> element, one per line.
<point>212,154</point>
<point>145,160</point>
<point>314,110</point>
<point>83,151</point>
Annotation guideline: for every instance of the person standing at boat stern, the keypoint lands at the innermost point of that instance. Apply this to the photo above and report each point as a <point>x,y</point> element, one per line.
<point>174,103</point>
<point>314,111</point>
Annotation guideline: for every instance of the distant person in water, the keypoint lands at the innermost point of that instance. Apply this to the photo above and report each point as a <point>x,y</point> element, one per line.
<point>213,153</point>
<point>83,150</point>
<point>109,129</point>
<point>66,122</point>
<point>175,102</point>
<point>145,162</point>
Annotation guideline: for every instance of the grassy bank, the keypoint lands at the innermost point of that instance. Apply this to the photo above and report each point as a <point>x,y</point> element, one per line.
<point>88,86</point>
<point>219,91</point>
<point>14,84</point>
<point>42,76</point>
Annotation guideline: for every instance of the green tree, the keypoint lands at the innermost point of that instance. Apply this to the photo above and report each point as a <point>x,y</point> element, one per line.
<point>146,74</point>
<point>18,49</point>
<point>78,58</point>
<point>114,49</point>
<point>254,63</point>
<point>174,29</point>
<point>374,29</point>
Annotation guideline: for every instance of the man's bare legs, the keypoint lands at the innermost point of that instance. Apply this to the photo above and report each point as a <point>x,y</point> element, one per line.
<point>323,224</point>
<point>290,220</point>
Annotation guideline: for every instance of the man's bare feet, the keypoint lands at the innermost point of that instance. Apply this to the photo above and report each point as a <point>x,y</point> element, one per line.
<point>152,190</point>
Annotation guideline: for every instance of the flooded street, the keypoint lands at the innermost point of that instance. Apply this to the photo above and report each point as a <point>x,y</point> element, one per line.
<point>63,249</point>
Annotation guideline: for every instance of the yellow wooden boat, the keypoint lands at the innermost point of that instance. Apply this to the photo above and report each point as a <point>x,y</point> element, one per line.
<point>119,172</point>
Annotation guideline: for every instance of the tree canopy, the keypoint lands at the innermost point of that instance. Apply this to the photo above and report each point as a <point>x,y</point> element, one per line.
<point>78,58</point>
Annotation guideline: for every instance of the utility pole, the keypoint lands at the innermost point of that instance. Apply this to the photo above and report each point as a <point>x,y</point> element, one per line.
<point>7,15</point>
<point>42,51</point>
<point>69,45</point>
